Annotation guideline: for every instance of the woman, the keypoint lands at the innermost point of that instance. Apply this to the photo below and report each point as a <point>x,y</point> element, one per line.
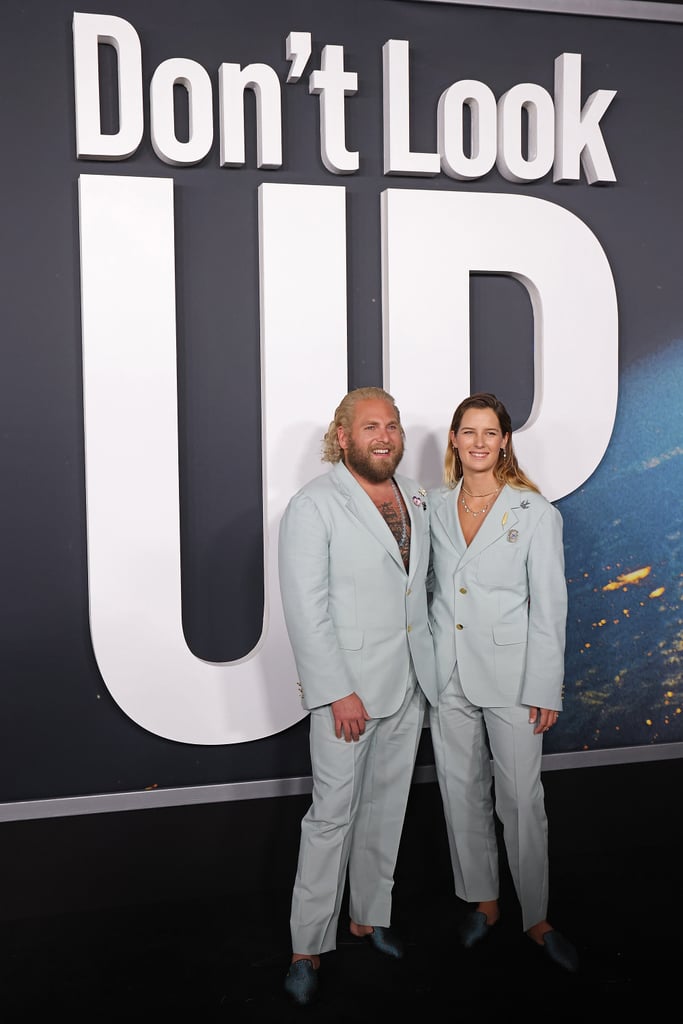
<point>498,612</point>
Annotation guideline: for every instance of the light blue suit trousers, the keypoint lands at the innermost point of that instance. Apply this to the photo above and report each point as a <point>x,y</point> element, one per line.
<point>360,792</point>
<point>464,770</point>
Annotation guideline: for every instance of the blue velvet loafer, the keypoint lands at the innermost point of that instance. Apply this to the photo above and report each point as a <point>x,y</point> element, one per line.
<point>385,941</point>
<point>474,928</point>
<point>560,950</point>
<point>301,983</point>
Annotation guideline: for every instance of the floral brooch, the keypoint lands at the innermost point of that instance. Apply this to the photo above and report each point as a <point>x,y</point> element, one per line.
<point>419,498</point>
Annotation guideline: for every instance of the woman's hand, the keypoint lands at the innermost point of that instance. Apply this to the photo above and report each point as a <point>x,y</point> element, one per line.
<point>545,718</point>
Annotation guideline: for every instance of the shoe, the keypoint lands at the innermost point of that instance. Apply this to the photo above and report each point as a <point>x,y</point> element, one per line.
<point>385,941</point>
<point>474,928</point>
<point>301,983</point>
<point>560,950</point>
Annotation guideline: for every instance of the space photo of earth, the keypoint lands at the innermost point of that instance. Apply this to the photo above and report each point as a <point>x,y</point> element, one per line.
<point>624,566</point>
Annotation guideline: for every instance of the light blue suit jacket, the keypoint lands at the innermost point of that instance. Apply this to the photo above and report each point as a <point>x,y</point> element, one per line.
<point>499,606</point>
<point>353,614</point>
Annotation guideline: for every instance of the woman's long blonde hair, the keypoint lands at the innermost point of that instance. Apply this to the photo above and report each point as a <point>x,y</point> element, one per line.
<point>507,469</point>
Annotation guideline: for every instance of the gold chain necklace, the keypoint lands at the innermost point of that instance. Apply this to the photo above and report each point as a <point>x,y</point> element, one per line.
<point>471,510</point>
<point>472,495</point>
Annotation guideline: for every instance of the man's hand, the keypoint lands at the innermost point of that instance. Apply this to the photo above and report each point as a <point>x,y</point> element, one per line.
<point>350,717</point>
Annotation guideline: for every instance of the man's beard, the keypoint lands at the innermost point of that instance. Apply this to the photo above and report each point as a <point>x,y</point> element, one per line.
<point>374,470</point>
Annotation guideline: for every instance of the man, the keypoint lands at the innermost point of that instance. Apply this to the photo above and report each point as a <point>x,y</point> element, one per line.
<point>353,561</point>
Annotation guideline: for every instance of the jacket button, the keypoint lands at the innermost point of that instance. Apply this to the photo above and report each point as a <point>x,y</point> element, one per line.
<point>409,628</point>
<point>463,590</point>
<point>459,625</point>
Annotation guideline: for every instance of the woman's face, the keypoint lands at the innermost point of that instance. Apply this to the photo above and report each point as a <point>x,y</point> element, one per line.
<point>479,440</point>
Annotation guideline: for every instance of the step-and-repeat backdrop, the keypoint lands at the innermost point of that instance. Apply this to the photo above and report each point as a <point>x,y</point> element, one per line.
<point>217,218</point>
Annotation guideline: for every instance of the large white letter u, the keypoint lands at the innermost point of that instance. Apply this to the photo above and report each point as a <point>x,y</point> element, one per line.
<point>131,445</point>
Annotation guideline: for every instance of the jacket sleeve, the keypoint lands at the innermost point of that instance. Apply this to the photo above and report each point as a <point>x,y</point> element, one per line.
<point>303,563</point>
<point>544,673</point>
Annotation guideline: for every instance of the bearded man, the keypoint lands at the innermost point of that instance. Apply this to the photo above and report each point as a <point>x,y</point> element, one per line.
<point>353,563</point>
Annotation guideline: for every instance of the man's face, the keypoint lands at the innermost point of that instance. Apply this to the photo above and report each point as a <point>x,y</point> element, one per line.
<point>374,446</point>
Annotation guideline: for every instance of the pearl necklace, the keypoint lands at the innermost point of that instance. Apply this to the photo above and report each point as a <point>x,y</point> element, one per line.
<point>471,511</point>
<point>404,521</point>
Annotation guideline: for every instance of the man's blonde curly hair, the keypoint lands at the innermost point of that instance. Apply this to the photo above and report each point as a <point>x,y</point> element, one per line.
<point>343,417</point>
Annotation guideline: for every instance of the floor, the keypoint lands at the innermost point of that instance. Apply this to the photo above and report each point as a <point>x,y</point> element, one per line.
<point>153,913</point>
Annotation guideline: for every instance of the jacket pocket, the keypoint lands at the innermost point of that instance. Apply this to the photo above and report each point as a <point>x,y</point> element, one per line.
<point>350,639</point>
<point>509,633</point>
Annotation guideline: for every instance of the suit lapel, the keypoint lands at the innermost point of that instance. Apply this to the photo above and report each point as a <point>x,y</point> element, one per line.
<point>500,520</point>
<point>363,508</point>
